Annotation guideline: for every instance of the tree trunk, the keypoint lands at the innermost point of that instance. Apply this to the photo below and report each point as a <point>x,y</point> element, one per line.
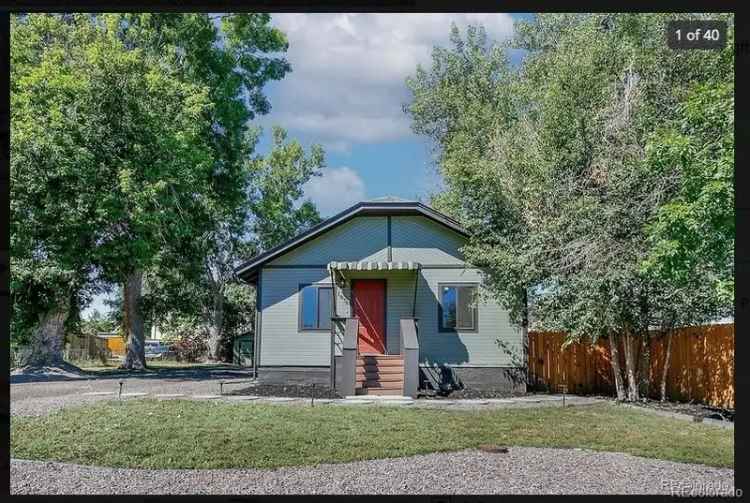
<point>665,369</point>
<point>628,346</point>
<point>48,338</point>
<point>615,362</point>
<point>135,351</point>
<point>215,327</point>
<point>644,372</point>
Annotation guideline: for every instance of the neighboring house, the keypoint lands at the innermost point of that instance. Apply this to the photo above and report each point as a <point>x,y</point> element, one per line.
<point>114,342</point>
<point>156,334</point>
<point>402,297</point>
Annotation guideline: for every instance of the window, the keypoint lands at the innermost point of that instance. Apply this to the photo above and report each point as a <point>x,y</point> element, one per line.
<point>457,309</point>
<point>315,307</point>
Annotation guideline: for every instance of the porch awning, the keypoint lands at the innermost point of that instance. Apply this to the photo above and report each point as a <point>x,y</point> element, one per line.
<point>374,266</point>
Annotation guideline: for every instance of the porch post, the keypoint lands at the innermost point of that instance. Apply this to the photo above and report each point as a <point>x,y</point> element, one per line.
<point>334,316</point>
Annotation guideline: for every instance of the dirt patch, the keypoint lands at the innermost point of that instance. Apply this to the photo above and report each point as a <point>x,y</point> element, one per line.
<point>288,390</point>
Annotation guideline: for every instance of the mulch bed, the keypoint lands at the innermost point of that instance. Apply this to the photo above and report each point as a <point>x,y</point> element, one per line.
<point>286,390</point>
<point>469,393</point>
<point>692,409</point>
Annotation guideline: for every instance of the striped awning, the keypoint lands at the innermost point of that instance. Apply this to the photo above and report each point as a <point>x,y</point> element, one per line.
<point>374,266</point>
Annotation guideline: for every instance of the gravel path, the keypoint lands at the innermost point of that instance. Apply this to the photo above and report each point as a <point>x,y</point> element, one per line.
<point>40,398</point>
<point>522,470</point>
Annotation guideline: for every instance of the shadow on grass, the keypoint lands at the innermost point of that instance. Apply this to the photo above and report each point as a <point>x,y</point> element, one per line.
<point>183,372</point>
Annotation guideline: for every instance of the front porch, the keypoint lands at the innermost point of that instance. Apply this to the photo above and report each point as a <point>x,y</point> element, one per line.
<point>374,344</point>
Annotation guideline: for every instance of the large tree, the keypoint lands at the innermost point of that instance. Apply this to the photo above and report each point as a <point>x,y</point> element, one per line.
<point>582,177</point>
<point>135,124</point>
<point>273,211</point>
<point>231,56</point>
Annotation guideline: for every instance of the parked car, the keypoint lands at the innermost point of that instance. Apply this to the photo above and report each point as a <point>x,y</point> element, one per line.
<point>155,349</point>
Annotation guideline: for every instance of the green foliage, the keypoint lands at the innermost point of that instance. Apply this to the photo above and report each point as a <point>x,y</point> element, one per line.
<point>130,149</point>
<point>596,177</point>
<point>277,184</point>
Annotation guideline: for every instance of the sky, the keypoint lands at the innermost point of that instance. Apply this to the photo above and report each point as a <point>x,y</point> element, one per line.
<point>346,92</point>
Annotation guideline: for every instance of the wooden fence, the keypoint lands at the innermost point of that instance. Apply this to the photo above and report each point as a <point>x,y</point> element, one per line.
<point>701,367</point>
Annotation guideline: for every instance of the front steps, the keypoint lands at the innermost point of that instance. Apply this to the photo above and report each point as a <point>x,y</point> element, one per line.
<point>379,375</point>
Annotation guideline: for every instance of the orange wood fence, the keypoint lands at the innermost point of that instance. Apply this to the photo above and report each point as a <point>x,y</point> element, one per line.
<point>701,367</point>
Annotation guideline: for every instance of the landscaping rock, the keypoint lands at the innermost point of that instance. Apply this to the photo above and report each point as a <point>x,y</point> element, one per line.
<point>520,470</point>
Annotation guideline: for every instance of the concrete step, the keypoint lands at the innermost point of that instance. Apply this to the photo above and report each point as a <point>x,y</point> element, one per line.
<point>383,391</point>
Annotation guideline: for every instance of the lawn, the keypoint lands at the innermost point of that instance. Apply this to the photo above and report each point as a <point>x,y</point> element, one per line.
<point>192,434</point>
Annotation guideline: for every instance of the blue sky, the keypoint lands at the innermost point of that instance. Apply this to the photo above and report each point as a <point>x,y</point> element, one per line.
<point>346,92</point>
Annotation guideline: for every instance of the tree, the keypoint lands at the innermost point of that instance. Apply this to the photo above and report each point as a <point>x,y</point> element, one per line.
<point>557,178</point>
<point>53,210</point>
<point>227,56</point>
<point>270,215</point>
<point>135,124</point>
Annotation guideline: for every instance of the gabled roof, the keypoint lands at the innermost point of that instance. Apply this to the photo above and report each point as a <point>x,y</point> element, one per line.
<point>381,206</point>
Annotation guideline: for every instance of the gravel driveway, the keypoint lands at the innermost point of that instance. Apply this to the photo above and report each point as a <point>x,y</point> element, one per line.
<point>522,470</point>
<point>40,398</point>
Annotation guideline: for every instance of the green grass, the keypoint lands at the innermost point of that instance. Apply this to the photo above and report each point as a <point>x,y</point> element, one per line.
<point>191,434</point>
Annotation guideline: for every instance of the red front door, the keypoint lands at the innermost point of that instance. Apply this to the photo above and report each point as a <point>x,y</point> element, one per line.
<point>368,302</point>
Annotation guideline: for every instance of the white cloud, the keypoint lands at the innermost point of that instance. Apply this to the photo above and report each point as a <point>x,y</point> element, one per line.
<point>348,70</point>
<point>335,190</point>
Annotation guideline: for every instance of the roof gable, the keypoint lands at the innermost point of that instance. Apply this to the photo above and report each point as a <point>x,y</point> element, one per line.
<point>378,207</point>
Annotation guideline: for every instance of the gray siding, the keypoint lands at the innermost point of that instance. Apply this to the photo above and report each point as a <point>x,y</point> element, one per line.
<point>423,240</point>
<point>361,238</point>
<point>364,238</point>
<point>281,341</point>
<point>464,348</point>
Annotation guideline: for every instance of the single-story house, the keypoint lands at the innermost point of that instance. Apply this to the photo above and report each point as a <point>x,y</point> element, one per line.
<point>378,299</point>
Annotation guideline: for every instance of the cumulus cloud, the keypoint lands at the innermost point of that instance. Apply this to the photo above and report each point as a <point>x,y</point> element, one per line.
<point>335,190</point>
<point>348,70</point>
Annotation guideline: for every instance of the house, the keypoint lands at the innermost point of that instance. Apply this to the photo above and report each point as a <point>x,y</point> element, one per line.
<point>379,300</point>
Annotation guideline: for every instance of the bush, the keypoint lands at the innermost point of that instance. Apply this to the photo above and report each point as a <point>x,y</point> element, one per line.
<point>189,348</point>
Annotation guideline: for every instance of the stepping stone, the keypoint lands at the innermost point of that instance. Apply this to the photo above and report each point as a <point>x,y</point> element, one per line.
<point>99,393</point>
<point>280,399</point>
<point>134,394</point>
<point>169,395</point>
<point>241,397</point>
<point>206,397</point>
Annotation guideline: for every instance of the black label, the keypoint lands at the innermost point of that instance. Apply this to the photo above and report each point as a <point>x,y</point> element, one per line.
<point>697,34</point>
